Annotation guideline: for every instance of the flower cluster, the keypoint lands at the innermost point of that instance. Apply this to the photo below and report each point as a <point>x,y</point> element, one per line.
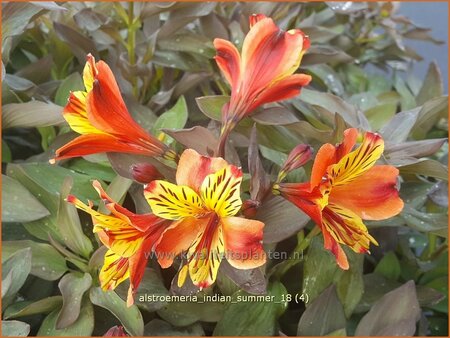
<point>196,217</point>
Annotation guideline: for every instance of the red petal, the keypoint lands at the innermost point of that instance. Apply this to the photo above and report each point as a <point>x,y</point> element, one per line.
<point>304,198</point>
<point>229,61</point>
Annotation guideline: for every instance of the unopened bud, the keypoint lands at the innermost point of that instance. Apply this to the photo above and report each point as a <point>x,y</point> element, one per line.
<point>145,173</point>
<point>296,159</point>
<point>250,207</point>
<point>115,331</point>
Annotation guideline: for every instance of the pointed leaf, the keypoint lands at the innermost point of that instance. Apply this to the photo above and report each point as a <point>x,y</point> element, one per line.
<point>83,326</point>
<point>395,314</point>
<point>72,287</point>
<point>16,199</point>
<point>323,316</point>
<point>46,262</point>
<point>31,114</point>
<point>130,317</point>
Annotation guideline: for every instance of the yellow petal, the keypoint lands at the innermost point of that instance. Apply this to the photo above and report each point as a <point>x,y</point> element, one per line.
<point>182,276</point>
<point>221,191</point>
<point>358,161</point>
<point>125,239</point>
<point>89,73</point>
<point>205,256</point>
<point>347,228</point>
<point>170,201</point>
<point>76,116</point>
<point>114,271</point>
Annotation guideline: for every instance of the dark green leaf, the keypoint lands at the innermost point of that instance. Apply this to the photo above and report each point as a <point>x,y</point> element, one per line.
<point>31,114</point>
<point>174,118</point>
<point>389,266</point>
<point>23,309</point>
<point>70,225</point>
<point>71,83</point>
<point>46,262</point>
<point>211,106</point>
<point>15,199</point>
<point>261,316</point>
<point>158,327</point>
<point>17,267</point>
<point>84,325</point>
<point>130,317</point>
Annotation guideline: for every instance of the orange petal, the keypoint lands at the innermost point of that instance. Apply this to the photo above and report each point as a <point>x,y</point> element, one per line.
<point>372,196</point>
<point>243,242</point>
<point>193,168</point>
<point>108,113</point>
<point>177,238</point>
<point>281,90</point>
<point>346,146</point>
<point>229,61</point>
<point>96,143</point>
<point>329,154</point>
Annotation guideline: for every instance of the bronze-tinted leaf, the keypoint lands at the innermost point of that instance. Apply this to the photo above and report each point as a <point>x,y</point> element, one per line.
<point>323,316</point>
<point>396,313</point>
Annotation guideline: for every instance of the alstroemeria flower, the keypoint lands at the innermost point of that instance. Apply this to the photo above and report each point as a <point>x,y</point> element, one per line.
<point>264,71</point>
<point>99,114</point>
<point>129,237</point>
<point>203,205</point>
<point>346,187</point>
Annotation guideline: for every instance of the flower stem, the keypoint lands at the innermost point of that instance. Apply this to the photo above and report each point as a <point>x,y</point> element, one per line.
<point>131,45</point>
<point>302,244</point>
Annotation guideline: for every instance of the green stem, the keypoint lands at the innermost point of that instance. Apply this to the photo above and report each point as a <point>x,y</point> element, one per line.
<point>302,244</point>
<point>131,46</point>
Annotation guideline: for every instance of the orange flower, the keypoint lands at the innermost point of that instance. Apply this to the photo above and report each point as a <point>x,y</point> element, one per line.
<point>202,206</point>
<point>264,71</point>
<point>346,188</point>
<point>130,239</point>
<point>99,114</point>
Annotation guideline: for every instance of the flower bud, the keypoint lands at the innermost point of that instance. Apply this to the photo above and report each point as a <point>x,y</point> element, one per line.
<point>296,159</point>
<point>145,173</point>
<point>115,331</point>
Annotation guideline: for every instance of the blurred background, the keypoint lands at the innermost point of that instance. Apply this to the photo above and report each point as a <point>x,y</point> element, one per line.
<point>435,17</point>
